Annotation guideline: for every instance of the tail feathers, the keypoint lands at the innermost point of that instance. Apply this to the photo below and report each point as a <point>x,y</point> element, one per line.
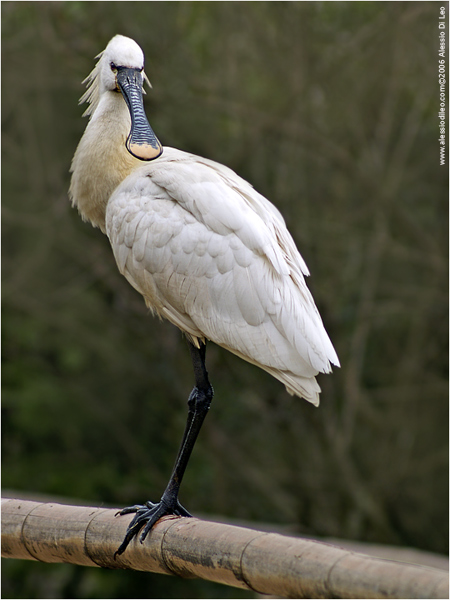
<point>304,387</point>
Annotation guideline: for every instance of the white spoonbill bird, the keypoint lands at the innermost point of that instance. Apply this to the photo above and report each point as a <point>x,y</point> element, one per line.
<point>205,250</point>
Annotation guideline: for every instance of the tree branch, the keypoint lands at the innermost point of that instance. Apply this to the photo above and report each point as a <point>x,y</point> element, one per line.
<point>268,563</point>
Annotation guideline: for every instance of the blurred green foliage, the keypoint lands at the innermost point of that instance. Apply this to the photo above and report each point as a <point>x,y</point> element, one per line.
<point>330,110</point>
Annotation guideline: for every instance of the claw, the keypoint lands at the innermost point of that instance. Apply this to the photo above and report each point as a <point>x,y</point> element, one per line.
<point>147,515</point>
<point>136,508</point>
<point>160,512</point>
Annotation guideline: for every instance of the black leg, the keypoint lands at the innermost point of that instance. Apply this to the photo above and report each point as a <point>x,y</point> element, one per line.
<point>198,405</point>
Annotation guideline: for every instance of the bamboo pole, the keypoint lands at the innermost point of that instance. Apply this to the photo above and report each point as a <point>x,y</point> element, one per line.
<point>267,563</point>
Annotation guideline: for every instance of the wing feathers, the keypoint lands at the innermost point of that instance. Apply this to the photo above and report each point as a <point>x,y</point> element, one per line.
<point>215,258</point>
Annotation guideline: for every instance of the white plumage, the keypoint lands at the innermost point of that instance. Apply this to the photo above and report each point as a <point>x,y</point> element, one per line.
<point>205,250</point>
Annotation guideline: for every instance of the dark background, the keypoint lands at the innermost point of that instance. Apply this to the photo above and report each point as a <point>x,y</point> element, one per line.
<point>330,110</point>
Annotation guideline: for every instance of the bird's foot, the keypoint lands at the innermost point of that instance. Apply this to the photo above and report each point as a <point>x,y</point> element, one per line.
<point>148,514</point>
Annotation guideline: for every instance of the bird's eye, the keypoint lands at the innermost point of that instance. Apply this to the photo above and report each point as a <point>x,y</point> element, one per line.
<point>113,66</point>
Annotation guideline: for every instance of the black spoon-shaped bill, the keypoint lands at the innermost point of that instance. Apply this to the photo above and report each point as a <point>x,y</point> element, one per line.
<point>141,142</point>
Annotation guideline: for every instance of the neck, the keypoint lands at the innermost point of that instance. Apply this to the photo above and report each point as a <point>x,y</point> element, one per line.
<point>101,161</point>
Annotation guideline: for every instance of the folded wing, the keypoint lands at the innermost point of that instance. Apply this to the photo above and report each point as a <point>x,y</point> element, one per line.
<point>214,257</point>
